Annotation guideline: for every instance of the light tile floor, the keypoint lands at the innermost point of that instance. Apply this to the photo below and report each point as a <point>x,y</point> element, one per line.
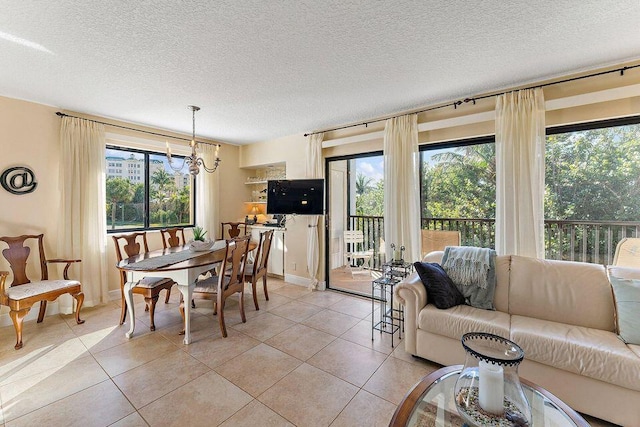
<point>304,359</point>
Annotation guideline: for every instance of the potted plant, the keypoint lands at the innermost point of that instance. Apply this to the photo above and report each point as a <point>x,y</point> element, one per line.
<point>199,242</point>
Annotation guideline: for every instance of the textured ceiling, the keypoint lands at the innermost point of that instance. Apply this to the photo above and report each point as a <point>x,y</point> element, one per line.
<point>264,69</point>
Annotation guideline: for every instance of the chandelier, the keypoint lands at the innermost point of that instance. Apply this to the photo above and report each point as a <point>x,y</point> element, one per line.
<point>194,161</point>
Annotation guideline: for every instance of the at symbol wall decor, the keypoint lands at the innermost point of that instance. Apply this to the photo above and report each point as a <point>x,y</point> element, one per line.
<point>18,180</point>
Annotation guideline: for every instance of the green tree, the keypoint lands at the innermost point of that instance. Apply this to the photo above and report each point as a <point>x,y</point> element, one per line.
<point>363,183</point>
<point>460,183</point>
<point>594,175</point>
<point>371,202</point>
<point>118,190</point>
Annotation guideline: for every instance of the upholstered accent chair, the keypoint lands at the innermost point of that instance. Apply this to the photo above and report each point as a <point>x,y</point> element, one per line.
<point>148,287</point>
<point>22,293</point>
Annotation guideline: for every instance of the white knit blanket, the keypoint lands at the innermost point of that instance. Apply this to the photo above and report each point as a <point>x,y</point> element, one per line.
<point>467,265</point>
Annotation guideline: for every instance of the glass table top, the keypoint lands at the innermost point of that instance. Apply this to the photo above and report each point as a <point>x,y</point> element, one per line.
<point>436,406</point>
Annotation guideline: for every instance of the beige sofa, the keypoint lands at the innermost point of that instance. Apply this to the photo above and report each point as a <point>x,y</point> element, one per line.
<point>561,313</point>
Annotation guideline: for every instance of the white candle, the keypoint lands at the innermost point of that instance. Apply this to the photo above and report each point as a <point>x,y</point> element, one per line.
<point>217,150</point>
<point>491,388</point>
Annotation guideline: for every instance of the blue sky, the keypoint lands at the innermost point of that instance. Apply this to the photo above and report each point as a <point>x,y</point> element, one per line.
<point>373,167</point>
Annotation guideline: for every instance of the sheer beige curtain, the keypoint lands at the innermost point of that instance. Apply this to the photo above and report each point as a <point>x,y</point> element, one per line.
<point>314,170</point>
<point>207,188</point>
<point>83,228</point>
<point>520,141</point>
<point>401,186</point>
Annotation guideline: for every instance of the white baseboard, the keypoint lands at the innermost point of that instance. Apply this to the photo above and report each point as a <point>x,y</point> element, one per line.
<point>303,281</point>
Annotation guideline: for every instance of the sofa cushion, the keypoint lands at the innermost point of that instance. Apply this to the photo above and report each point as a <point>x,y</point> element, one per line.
<point>627,299</point>
<point>457,321</point>
<point>441,291</point>
<point>575,293</point>
<point>584,351</point>
<point>635,349</point>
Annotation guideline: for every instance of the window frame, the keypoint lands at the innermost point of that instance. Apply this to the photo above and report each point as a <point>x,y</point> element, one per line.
<point>146,215</point>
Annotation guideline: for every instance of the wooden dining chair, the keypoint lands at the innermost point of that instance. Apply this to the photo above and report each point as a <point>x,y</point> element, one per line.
<point>236,229</point>
<point>23,293</point>
<point>258,268</point>
<point>229,282</point>
<point>171,237</point>
<point>148,287</point>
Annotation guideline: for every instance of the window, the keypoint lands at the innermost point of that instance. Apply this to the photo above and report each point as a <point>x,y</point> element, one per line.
<point>458,189</point>
<point>145,193</point>
<point>592,197</point>
<point>592,189</point>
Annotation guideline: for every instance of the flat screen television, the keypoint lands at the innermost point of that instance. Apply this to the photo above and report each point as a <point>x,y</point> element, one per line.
<point>295,196</point>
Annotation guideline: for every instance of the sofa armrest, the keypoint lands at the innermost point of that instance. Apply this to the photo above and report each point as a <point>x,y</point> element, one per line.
<point>412,294</point>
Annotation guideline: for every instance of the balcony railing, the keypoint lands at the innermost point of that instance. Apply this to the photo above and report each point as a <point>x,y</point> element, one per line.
<point>587,241</point>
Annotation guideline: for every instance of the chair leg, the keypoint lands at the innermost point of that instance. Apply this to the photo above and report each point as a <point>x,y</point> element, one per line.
<point>167,296</point>
<point>264,286</point>
<point>241,302</point>
<point>223,327</point>
<point>123,311</point>
<point>181,308</point>
<point>79,297</point>
<point>151,303</point>
<point>255,296</point>
<point>43,310</point>
<point>17,317</point>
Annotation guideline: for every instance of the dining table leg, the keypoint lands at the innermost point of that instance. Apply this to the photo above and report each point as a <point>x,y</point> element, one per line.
<point>128,298</point>
<point>187,295</point>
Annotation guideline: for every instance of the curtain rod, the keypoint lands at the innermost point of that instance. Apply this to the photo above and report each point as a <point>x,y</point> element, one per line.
<point>474,99</point>
<point>60,114</point>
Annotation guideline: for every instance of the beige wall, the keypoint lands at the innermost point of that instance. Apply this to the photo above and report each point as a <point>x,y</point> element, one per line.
<point>29,137</point>
<point>291,151</point>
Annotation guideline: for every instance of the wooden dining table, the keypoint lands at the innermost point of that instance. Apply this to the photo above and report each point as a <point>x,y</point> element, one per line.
<point>171,263</point>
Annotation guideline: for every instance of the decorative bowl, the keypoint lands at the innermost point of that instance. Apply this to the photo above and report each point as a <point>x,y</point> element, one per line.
<point>200,246</point>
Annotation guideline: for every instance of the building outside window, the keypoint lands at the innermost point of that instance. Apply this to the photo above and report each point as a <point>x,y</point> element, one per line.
<point>143,192</point>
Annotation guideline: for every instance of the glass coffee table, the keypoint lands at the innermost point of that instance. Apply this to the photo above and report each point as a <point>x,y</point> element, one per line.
<point>431,403</point>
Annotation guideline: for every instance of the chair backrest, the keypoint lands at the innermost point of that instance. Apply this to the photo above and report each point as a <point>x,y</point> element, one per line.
<point>237,250</point>
<point>171,237</point>
<point>437,240</point>
<point>130,246</point>
<point>17,254</point>
<point>353,240</point>
<point>263,251</point>
<point>627,253</point>
<point>234,229</point>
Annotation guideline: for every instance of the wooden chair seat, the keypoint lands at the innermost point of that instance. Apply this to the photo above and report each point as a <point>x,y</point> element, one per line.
<point>154,282</point>
<point>148,287</point>
<point>44,288</point>
<point>210,285</point>
<point>23,293</point>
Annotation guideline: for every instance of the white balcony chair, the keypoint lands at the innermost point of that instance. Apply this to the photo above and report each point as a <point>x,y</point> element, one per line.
<point>353,242</point>
<point>627,252</point>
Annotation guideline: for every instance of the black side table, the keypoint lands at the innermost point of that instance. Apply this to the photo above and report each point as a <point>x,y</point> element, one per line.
<point>391,319</point>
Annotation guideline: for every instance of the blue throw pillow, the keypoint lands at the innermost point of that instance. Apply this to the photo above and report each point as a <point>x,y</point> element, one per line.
<point>627,299</point>
<point>441,291</point>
